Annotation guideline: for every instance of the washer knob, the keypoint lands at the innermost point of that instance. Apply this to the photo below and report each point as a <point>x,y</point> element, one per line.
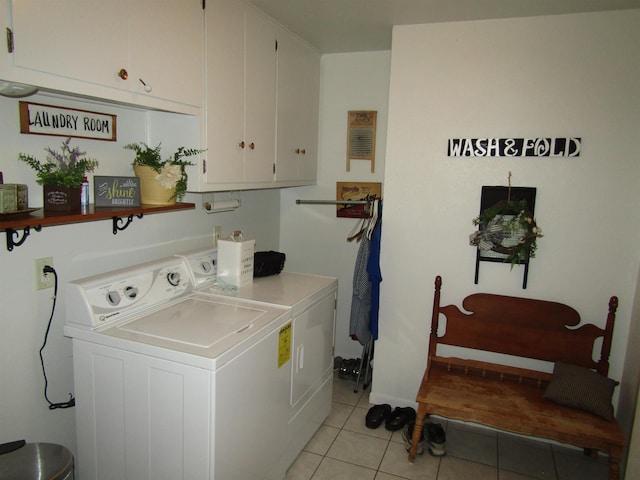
<point>206,266</point>
<point>113,298</point>
<point>173,278</point>
<point>131,292</point>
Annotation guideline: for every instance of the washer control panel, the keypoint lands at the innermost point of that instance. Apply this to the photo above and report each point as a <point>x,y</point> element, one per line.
<point>114,296</point>
<point>203,266</point>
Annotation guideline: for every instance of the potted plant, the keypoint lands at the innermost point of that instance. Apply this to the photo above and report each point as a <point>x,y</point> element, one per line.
<point>162,182</point>
<point>61,175</point>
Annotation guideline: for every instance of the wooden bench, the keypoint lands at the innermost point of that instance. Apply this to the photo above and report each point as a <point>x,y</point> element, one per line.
<point>510,398</point>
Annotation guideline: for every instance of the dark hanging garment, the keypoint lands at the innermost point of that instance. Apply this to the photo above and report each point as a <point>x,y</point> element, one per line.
<point>375,275</point>
<point>361,298</point>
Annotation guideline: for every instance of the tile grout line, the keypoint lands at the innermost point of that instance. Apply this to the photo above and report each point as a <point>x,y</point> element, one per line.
<point>324,456</point>
<point>555,465</point>
<point>353,409</point>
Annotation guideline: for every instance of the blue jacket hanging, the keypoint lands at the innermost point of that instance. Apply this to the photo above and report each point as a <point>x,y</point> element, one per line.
<point>375,274</point>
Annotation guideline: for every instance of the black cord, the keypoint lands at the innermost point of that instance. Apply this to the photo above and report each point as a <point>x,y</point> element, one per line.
<point>72,401</point>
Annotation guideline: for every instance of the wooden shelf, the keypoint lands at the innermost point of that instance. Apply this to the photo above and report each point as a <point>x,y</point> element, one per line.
<point>39,218</point>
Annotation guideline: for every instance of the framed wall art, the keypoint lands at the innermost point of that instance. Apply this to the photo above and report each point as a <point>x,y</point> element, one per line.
<point>361,193</point>
<point>361,137</point>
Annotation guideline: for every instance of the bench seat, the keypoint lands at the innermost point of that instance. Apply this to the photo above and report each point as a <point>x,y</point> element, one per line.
<point>509,398</point>
<point>513,407</point>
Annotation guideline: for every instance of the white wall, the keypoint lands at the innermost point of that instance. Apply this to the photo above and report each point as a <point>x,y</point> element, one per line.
<point>629,403</point>
<point>313,238</point>
<point>570,75</point>
<point>84,249</point>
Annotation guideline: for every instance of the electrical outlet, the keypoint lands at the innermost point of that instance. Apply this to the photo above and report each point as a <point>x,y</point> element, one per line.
<point>217,232</point>
<point>43,280</point>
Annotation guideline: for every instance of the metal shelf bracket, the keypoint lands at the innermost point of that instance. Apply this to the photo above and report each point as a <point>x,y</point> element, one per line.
<point>120,224</point>
<point>19,240</point>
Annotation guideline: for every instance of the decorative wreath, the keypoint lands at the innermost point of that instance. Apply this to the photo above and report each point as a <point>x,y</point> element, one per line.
<point>508,227</point>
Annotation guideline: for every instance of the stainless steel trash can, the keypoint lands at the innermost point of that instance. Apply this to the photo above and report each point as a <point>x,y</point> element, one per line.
<point>37,461</point>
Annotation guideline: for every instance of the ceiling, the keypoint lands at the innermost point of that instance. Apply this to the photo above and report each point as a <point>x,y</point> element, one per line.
<point>365,25</point>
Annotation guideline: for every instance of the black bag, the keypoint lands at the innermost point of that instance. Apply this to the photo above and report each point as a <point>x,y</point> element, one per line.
<point>268,263</point>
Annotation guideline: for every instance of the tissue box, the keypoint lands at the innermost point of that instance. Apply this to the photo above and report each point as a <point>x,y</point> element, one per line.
<point>235,261</point>
<point>13,197</point>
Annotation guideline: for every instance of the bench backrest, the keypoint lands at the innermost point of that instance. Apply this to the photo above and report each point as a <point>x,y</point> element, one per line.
<point>522,327</point>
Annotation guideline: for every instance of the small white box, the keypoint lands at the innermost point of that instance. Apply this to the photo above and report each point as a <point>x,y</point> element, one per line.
<point>235,261</point>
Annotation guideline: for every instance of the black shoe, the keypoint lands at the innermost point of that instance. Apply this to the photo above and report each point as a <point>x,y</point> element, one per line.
<point>337,362</point>
<point>377,414</point>
<point>400,417</point>
<point>346,368</point>
<point>355,368</point>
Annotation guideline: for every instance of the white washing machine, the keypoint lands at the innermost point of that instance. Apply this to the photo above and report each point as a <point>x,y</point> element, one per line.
<point>174,384</point>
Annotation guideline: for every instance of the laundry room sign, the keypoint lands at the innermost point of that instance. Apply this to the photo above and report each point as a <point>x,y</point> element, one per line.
<point>515,147</point>
<point>40,119</point>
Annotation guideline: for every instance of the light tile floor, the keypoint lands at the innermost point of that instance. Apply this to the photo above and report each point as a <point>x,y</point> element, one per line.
<point>343,448</point>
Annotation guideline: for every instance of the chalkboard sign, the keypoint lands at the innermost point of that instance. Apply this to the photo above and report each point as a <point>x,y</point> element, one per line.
<point>116,191</point>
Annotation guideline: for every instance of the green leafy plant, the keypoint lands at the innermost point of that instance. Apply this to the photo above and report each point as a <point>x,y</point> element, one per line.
<point>65,168</point>
<point>171,172</point>
<point>508,228</point>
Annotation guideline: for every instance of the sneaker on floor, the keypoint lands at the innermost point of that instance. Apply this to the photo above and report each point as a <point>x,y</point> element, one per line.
<point>346,367</point>
<point>407,434</point>
<point>436,452</point>
<point>436,439</point>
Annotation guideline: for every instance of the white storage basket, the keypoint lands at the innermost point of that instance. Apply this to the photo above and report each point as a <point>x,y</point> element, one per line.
<point>235,261</point>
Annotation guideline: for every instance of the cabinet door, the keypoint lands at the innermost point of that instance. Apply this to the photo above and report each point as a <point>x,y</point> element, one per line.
<point>225,91</point>
<point>79,39</point>
<point>241,76</point>
<point>289,91</point>
<point>308,115</point>
<point>298,98</point>
<point>166,49</point>
<point>260,98</point>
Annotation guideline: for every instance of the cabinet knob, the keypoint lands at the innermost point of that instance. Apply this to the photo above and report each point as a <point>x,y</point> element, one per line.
<point>300,151</point>
<point>147,88</point>
<point>241,144</point>
<point>123,74</point>
<point>252,146</point>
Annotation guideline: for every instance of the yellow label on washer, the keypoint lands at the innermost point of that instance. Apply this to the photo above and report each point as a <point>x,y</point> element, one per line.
<point>284,345</point>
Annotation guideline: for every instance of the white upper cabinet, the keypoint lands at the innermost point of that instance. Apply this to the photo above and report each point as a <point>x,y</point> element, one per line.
<point>297,112</point>
<point>167,49</point>
<point>140,50</point>
<point>241,97</point>
<point>66,38</point>
<point>261,119</point>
